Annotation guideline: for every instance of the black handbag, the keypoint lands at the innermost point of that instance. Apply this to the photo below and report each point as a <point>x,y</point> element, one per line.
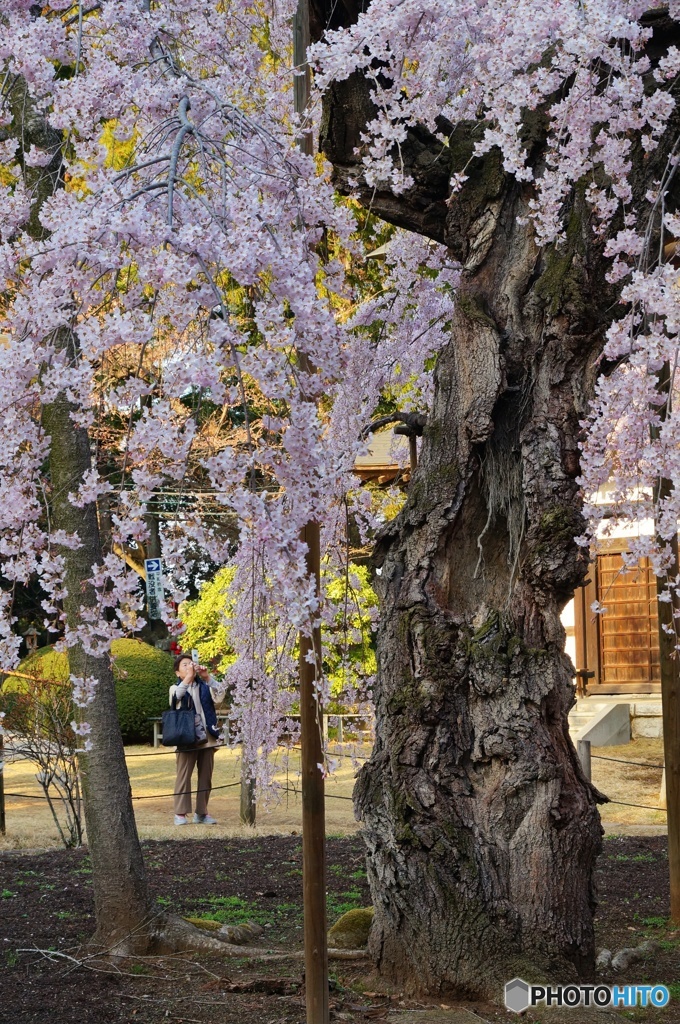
<point>179,724</point>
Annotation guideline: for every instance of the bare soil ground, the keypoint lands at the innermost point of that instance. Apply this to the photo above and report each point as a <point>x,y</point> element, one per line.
<point>46,917</point>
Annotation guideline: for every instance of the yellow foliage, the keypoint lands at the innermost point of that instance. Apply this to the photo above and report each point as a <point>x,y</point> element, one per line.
<point>119,152</point>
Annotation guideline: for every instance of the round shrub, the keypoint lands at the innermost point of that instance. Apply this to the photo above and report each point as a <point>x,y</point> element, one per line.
<point>143,676</point>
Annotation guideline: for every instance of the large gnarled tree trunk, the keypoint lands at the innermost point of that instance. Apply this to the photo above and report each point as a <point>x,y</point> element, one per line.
<point>481,828</point>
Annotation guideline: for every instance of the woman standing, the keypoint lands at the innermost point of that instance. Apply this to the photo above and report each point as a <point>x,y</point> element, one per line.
<point>204,692</point>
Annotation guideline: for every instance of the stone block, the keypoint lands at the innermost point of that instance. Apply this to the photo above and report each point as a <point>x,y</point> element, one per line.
<point>647,727</point>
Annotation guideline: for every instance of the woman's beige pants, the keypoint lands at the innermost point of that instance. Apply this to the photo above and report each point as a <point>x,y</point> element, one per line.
<point>186,762</point>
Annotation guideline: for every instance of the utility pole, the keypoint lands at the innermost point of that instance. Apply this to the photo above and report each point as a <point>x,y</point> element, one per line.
<point>313,807</point>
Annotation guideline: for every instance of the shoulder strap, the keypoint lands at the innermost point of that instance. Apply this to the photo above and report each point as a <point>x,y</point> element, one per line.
<point>182,706</point>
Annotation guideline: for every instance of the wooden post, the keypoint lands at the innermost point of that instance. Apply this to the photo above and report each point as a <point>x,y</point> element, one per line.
<point>313,810</point>
<point>669,659</point>
<point>670,705</point>
<point>302,82</point>
<point>2,786</point>
<point>248,809</point>
<point>311,712</point>
<point>413,451</point>
<point>3,823</point>
<point>583,750</point>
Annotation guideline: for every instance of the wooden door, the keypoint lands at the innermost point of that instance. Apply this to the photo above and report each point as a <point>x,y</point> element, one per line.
<point>621,647</point>
<point>629,630</point>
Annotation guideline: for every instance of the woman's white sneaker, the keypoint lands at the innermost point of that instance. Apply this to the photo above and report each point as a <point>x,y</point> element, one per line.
<point>180,819</point>
<point>204,819</point>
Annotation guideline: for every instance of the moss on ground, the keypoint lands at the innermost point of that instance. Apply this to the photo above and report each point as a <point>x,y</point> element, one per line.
<point>351,930</point>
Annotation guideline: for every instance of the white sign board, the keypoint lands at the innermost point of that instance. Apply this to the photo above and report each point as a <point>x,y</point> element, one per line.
<point>154,586</point>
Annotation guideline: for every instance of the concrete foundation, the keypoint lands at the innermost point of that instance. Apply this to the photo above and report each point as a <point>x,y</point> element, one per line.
<point>643,712</point>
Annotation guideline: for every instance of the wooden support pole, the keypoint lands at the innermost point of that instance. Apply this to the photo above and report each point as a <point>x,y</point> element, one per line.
<point>313,810</point>
<point>302,82</point>
<point>248,810</point>
<point>311,712</point>
<point>670,706</point>
<point>2,786</point>
<point>413,451</point>
<point>670,672</point>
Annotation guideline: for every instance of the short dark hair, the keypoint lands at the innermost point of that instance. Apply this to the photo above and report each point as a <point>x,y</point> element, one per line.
<point>178,659</point>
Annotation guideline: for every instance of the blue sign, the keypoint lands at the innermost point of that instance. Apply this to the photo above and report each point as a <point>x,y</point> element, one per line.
<point>154,586</point>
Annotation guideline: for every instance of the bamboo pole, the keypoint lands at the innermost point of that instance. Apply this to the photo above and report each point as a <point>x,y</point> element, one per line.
<point>311,712</point>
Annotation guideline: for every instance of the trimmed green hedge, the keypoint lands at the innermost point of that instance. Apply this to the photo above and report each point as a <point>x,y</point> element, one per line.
<point>143,676</point>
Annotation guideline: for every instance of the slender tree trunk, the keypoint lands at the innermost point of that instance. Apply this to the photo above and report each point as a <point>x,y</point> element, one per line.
<point>123,907</point>
<point>126,920</point>
<point>482,831</point>
<point>122,902</point>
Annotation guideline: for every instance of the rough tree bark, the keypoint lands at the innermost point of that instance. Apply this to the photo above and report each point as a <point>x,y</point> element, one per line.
<point>482,831</point>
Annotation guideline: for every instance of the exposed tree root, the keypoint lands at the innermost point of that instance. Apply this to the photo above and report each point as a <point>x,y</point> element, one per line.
<point>168,934</point>
<point>172,934</point>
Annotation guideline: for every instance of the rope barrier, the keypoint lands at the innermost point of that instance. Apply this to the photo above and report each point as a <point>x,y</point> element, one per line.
<point>327,796</point>
<point>289,789</point>
<point>151,753</point>
<point>642,807</point>
<point>641,764</point>
<point>153,796</point>
<point>338,753</point>
<point>27,796</point>
<point>186,792</point>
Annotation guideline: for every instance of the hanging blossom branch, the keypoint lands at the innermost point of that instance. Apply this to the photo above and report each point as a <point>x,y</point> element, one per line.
<point>583,70</point>
<point>178,187</point>
<point>632,447</point>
